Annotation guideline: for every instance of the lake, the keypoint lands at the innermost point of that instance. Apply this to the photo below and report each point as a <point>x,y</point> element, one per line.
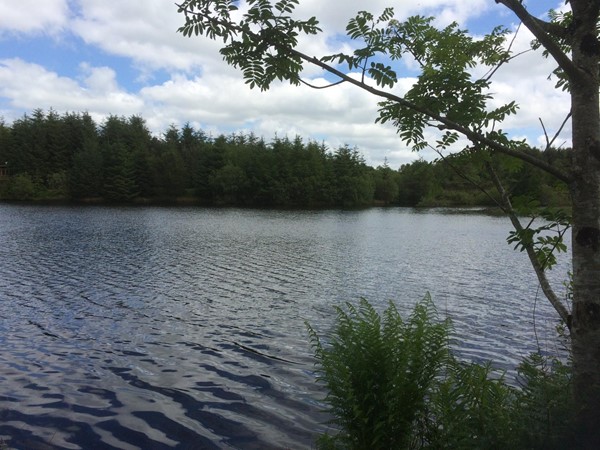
<point>152,328</point>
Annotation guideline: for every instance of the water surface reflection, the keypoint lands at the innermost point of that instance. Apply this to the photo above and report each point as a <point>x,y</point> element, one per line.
<point>184,328</point>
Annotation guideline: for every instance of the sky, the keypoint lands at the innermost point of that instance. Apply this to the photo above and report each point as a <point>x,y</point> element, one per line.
<point>126,58</point>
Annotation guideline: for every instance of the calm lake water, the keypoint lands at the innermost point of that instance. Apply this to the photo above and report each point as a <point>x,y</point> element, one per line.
<point>162,328</point>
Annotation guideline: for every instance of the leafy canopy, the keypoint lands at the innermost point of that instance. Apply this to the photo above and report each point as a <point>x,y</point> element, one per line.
<point>258,42</point>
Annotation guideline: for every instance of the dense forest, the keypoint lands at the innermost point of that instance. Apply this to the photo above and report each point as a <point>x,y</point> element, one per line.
<point>45,156</point>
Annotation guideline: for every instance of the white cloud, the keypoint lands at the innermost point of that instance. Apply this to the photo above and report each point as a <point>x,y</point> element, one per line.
<point>526,80</point>
<point>26,16</point>
<point>460,12</point>
<point>98,93</point>
<point>334,17</point>
<point>144,31</point>
<point>339,115</point>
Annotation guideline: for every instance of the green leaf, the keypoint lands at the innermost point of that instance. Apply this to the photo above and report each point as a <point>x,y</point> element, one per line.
<point>383,75</point>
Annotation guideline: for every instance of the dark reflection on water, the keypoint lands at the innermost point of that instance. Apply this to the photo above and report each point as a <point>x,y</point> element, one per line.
<point>184,328</point>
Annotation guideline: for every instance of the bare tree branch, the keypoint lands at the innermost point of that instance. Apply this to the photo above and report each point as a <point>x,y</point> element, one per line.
<point>550,142</point>
<point>568,116</point>
<point>494,69</point>
<point>545,133</point>
<point>321,87</point>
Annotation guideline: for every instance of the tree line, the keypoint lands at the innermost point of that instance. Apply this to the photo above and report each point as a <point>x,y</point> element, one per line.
<point>70,157</point>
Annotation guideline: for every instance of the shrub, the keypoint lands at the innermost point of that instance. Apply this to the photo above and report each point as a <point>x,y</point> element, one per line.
<point>393,384</point>
<point>471,408</point>
<point>379,374</point>
<point>21,187</point>
<point>544,405</point>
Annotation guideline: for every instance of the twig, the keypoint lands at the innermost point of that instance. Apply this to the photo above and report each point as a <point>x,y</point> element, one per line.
<point>321,87</point>
<point>492,71</point>
<point>549,142</point>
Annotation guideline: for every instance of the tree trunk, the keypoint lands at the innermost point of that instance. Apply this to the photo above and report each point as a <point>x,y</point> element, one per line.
<point>585,191</point>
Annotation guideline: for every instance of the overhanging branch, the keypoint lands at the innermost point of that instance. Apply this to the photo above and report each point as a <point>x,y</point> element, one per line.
<point>473,136</point>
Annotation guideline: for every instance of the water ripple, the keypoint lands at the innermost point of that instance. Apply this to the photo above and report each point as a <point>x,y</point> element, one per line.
<point>152,328</point>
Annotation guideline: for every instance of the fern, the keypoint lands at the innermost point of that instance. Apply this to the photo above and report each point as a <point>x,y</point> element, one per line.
<point>379,372</point>
<point>394,384</point>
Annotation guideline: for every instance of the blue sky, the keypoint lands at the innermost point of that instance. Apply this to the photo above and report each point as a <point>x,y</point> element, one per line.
<point>126,58</point>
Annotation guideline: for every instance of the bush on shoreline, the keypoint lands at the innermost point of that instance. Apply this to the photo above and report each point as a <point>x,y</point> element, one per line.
<point>395,384</point>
